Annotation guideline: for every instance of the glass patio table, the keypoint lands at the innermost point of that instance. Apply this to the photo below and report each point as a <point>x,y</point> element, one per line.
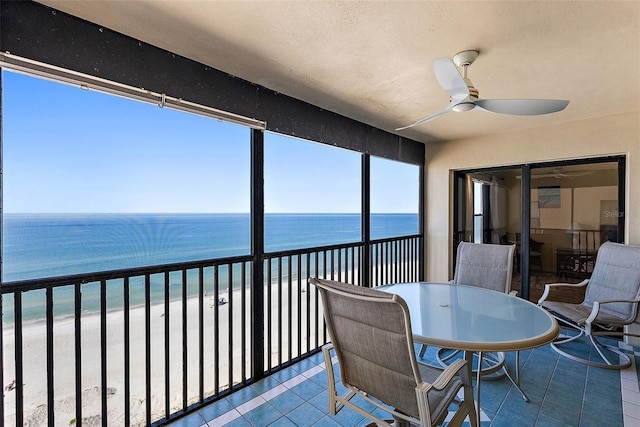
<point>474,319</point>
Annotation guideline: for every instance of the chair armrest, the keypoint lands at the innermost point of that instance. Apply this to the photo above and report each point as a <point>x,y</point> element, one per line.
<point>447,375</point>
<point>547,288</point>
<point>596,306</point>
<point>326,352</point>
<point>334,405</point>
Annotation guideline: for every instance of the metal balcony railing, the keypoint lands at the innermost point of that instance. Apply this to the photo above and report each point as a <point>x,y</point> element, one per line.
<point>143,346</point>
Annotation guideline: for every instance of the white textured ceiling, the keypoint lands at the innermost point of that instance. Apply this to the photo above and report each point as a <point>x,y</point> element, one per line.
<point>372,60</point>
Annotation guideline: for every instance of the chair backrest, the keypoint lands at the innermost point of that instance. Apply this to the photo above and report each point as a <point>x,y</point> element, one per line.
<point>484,265</point>
<point>535,246</point>
<point>371,334</point>
<point>616,275</point>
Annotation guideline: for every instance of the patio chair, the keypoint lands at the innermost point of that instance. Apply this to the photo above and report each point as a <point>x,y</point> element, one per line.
<point>371,335</point>
<point>488,266</point>
<point>610,303</point>
<point>485,265</point>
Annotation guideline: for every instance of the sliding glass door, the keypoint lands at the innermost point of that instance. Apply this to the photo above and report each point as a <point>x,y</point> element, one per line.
<point>570,208</point>
<point>574,209</point>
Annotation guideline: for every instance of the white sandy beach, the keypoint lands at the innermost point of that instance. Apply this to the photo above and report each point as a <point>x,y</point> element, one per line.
<point>34,354</point>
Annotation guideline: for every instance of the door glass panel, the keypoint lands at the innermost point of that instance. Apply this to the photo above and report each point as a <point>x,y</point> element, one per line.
<point>505,214</point>
<point>488,210</point>
<point>478,219</point>
<point>573,211</point>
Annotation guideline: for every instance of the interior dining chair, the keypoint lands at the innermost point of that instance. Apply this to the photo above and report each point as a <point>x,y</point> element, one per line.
<point>610,303</point>
<point>535,253</point>
<point>371,336</point>
<point>488,266</point>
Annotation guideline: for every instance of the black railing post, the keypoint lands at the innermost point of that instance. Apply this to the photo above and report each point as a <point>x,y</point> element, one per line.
<point>622,172</point>
<point>147,346</point>
<point>103,352</point>
<point>127,353</point>
<point>525,225</point>
<point>50,369</point>
<point>421,210</point>
<point>17,313</point>
<point>365,275</point>
<point>77,301</point>
<point>257,250</point>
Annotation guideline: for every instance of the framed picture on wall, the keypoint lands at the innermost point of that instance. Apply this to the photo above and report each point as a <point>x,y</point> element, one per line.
<point>549,197</point>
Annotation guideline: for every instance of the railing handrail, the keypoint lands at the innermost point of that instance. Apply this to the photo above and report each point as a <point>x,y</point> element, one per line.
<point>303,251</point>
<point>83,278</point>
<point>396,238</point>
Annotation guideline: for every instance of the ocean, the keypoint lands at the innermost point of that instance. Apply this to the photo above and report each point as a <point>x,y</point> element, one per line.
<point>51,245</point>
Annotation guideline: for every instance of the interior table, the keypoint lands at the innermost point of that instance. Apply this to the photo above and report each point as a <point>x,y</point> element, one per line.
<point>474,319</point>
<point>575,263</point>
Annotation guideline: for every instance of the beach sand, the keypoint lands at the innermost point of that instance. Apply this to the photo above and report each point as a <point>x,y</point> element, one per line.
<point>34,355</point>
<point>34,358</point>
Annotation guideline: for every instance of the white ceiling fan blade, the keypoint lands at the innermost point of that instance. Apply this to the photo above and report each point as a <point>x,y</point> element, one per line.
<point>426,119</point>
<point>522,107</point>
<point>545,175</point>
<point>579,173</point>
<point>450,79</point>
<point>558,175</point>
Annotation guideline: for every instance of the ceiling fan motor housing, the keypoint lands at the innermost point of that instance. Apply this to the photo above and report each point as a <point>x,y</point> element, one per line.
<point>465,58</point>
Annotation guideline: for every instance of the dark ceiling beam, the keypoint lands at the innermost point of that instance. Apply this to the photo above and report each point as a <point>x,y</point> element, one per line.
<point>43,34</point>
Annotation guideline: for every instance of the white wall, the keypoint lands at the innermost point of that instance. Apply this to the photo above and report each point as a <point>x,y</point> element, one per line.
<point>587,203</point>
<point>603,136</point>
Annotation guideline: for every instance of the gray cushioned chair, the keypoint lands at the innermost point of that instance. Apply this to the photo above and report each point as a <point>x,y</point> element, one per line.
<point>371,335</point>
<point>488,266</point>
<point>610,303</point>
<point>485,265</point>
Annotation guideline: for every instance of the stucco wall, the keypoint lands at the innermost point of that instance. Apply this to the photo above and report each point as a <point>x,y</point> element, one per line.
<point>603,136</point>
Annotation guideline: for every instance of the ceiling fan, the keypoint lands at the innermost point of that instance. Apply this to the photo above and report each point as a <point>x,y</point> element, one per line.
<point>464,96</point>
<point>558,174</point>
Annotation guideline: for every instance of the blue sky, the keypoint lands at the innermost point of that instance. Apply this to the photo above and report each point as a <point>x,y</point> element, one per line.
<point>68,150</point>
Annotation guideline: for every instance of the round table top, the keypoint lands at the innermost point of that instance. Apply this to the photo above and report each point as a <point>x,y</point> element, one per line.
<point>473,318</point>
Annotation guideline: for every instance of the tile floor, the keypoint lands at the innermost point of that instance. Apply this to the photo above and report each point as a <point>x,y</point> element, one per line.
<point>562,393</point>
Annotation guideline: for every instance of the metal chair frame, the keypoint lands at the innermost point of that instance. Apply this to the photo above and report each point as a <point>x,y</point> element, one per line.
<point>592,319</point>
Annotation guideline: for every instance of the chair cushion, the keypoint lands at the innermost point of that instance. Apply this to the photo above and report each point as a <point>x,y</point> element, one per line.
<point>616,275</point>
